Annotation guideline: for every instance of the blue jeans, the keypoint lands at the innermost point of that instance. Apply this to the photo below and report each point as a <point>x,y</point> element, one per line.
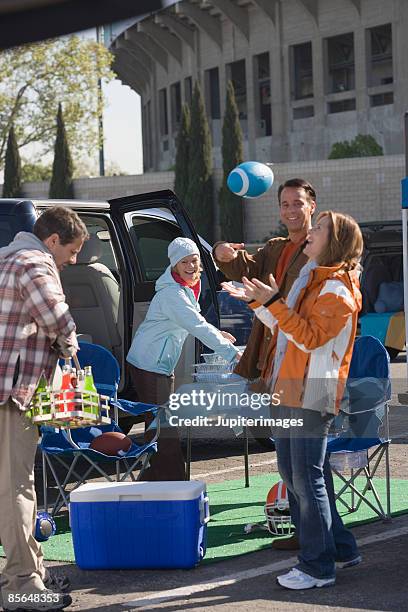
<point>304,467</point>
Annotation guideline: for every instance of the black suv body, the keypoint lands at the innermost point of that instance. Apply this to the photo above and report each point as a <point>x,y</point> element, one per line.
<point>382,263</point>
<point>127,252</point>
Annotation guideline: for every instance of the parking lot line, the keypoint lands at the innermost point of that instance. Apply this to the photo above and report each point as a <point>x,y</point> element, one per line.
<point>229,579</point>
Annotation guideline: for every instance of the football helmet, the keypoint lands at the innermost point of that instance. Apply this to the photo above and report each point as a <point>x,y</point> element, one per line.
<point>277,511</point>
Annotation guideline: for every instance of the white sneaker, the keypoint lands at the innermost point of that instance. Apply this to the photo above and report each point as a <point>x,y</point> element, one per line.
<point>297,580</point>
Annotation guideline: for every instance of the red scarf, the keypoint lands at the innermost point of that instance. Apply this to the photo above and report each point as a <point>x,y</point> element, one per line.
<point>195,288</point>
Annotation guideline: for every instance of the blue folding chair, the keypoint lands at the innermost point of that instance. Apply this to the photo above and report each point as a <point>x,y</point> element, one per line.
<point>363,426</point>
<point>67,449</point>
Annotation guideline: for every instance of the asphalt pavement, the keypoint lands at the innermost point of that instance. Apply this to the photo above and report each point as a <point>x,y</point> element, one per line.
<point>248,582</point>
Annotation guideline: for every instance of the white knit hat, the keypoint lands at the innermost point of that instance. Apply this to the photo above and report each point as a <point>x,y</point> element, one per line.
<point>180,248</point>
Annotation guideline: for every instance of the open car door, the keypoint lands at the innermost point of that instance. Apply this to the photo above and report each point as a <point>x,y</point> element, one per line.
<point>146,224</point>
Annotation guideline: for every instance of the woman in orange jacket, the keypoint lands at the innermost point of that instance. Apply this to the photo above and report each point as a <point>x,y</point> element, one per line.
<point>314,329</point>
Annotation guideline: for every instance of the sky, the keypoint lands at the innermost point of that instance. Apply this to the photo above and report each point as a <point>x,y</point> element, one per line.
<point>122,124</point>
<point>122,128</point>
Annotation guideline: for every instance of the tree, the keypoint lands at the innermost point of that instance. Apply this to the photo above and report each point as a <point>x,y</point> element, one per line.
<point>231,213</point>
<point>183,155</point>
<point>32,173</point>
<point>12,170</point>
<point>34,78</point>
<point>199,196</point>
<point>362,146</point>
<point>61,185</point>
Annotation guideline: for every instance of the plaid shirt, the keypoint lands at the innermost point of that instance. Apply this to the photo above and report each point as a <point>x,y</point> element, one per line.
<point>36,327</point>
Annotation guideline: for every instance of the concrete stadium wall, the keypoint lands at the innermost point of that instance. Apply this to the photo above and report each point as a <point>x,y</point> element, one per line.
<point>107,187</point>
<point>367,188</point>
<point>304,124</point>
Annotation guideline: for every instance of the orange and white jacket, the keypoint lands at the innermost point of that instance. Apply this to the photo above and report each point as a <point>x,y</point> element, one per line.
<point>320,332</point>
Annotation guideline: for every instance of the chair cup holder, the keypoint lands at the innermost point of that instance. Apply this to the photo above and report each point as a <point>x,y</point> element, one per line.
<point>345,461</point>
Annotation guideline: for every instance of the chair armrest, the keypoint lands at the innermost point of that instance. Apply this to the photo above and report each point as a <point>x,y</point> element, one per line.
<point>134,408</point>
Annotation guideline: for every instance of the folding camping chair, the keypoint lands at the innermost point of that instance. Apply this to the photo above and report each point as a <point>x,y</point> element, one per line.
<point>363,424</point>
<point>71,450</point>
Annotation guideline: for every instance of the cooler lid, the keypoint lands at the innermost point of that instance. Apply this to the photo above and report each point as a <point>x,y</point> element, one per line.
<point>138,491</point>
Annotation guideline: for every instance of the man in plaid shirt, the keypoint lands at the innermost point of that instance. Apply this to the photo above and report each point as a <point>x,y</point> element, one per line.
<point>36,328</point>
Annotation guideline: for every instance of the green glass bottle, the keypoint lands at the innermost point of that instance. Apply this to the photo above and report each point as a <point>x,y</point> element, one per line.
<point>42,403</point>
<point>89,385</point>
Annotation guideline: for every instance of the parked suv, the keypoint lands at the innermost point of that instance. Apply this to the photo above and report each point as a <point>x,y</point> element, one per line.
<point>111,285</point>
<point>382,265</point>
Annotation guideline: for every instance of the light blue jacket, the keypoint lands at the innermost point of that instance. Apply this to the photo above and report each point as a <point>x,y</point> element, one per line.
<point>173,314</point>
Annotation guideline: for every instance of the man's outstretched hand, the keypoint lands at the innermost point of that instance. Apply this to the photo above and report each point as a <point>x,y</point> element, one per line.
<point>227,251</point>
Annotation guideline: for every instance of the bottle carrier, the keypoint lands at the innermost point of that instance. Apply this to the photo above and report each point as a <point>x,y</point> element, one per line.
<point>69,408</point>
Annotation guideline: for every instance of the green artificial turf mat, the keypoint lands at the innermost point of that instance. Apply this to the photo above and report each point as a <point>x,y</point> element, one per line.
<point>232,506</point>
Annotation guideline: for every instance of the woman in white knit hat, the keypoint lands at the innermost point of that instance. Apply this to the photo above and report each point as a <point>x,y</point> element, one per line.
<point>156,348</point>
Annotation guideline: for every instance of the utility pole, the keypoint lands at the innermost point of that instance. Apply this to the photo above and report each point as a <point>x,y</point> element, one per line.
<point>100,40</point>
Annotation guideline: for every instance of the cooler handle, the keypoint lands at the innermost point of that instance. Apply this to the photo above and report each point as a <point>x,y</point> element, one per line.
<point>204,510</point>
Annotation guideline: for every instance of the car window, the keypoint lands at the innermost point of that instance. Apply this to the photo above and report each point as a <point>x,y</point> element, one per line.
<point>151,237</point>
<point>100,244</point>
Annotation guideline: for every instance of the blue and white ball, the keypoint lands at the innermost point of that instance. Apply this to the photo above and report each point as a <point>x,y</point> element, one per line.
<point>250,179</point>
<point>45,527</point>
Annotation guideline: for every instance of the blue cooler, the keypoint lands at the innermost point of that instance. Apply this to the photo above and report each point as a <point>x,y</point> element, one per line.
<point>139,525</point>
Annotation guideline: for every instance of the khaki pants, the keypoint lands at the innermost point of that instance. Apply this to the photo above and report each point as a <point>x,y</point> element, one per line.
<point>24,570</point>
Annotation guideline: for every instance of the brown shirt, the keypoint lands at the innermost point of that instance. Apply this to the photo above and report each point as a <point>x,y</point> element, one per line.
<point>260,265</point>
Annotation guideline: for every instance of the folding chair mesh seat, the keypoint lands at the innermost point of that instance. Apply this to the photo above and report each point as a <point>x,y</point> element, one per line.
<point>69,457</point>
<point>363,422</point>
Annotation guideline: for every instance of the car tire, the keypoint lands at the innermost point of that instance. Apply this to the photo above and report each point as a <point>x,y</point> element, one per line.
<point>262,434</point>
<point>392,352</point>
<point>267,443</point>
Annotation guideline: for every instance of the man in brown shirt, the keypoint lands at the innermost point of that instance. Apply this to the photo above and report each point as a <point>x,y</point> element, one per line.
<point>282,257</point>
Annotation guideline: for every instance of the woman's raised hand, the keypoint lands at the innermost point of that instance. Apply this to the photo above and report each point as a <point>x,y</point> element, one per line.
<point>236,292</point>
<point>255,289</point>
<point>228,336</point>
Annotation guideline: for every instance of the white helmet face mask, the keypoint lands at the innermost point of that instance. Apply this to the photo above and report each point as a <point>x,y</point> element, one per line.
<point>277,511</point>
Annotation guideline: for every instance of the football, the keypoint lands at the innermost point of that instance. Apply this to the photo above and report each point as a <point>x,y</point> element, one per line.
<point>111,443</point>
<point>250,179</point>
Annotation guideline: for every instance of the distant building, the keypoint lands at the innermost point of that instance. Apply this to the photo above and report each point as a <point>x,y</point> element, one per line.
<point>307,73</point>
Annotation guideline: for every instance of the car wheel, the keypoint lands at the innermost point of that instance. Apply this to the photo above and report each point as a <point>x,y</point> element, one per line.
<point>267,443</point>
<point>393,352</point>
<point>262,434</point>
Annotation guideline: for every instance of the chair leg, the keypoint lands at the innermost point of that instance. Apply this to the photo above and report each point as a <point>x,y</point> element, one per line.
<point>188,458</point>
<point>338,495</point>
<point>45,483</point>
<point>388,480</point>
<point>129,470</point>
<point>369,473</point>
<point>246,456</point>
<point>61,492</point>
<point>352,492</point>
<point>145,463</point>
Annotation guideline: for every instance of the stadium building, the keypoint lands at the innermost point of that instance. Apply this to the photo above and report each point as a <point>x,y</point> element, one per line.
<point>307,73</point>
